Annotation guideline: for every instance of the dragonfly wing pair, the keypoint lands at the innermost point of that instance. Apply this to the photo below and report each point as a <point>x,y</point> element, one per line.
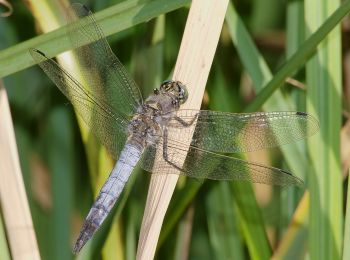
<point>97,85</point>
<point>229,133</point>
<point>106,98</point>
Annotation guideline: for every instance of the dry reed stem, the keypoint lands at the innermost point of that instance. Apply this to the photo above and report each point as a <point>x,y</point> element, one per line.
<point>194,60</point>
<point>13,198</point>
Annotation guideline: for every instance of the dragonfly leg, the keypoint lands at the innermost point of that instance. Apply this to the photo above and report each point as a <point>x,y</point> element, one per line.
<point>165,149</point>
<point>183,122</point>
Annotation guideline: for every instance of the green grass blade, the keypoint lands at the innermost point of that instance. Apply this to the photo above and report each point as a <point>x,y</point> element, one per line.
<point>295,27</point>
<point>114,245</point>
<point>251,221</point>
<point>257,68</point>
<point>346,243</point>
<point>112,20</point>
<point>4,250</point>
<point>222,223</point>
<point>249,55</point>
<point>300,57</point>
<point>253,61</point>
<point>293,241</point>
<point>295,37</point>
<point>131,231</point>
<point>178,205</point>
<point>61,162</point>
<point>324,81</point>
<point>157,52</point>
<point>264,18</point>
<point>260,74</point>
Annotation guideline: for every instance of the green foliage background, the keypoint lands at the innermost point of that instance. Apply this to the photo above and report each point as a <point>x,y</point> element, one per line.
<point>262,43</point>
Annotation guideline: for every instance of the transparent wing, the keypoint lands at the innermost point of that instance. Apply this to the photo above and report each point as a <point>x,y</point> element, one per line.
<point>106,76</point>
<point>103,120</point>
<point>231,133</point>
<point>203,164</point>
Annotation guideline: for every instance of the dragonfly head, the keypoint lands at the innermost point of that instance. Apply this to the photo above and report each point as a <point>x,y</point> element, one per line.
<point>175,89</point>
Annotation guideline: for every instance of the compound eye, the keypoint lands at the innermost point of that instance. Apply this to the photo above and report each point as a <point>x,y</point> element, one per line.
<point>183,93</point>
<point>166,85</point>
<point>167,82</point>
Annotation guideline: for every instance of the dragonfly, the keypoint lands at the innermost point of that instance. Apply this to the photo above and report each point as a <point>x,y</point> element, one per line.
<point>151,132</point>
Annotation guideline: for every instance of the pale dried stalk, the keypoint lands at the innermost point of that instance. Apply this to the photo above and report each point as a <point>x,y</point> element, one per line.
<point>195,57</point>
<point>13,198</point>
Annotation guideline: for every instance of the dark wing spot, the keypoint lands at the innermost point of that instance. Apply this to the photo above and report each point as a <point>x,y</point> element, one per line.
<point>301,113</point>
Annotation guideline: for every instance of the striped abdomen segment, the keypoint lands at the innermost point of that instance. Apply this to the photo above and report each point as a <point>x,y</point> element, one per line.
<point>109,194</point>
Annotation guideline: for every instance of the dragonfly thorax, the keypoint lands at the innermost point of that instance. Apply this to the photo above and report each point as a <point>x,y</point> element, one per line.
<point>154,114</point>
